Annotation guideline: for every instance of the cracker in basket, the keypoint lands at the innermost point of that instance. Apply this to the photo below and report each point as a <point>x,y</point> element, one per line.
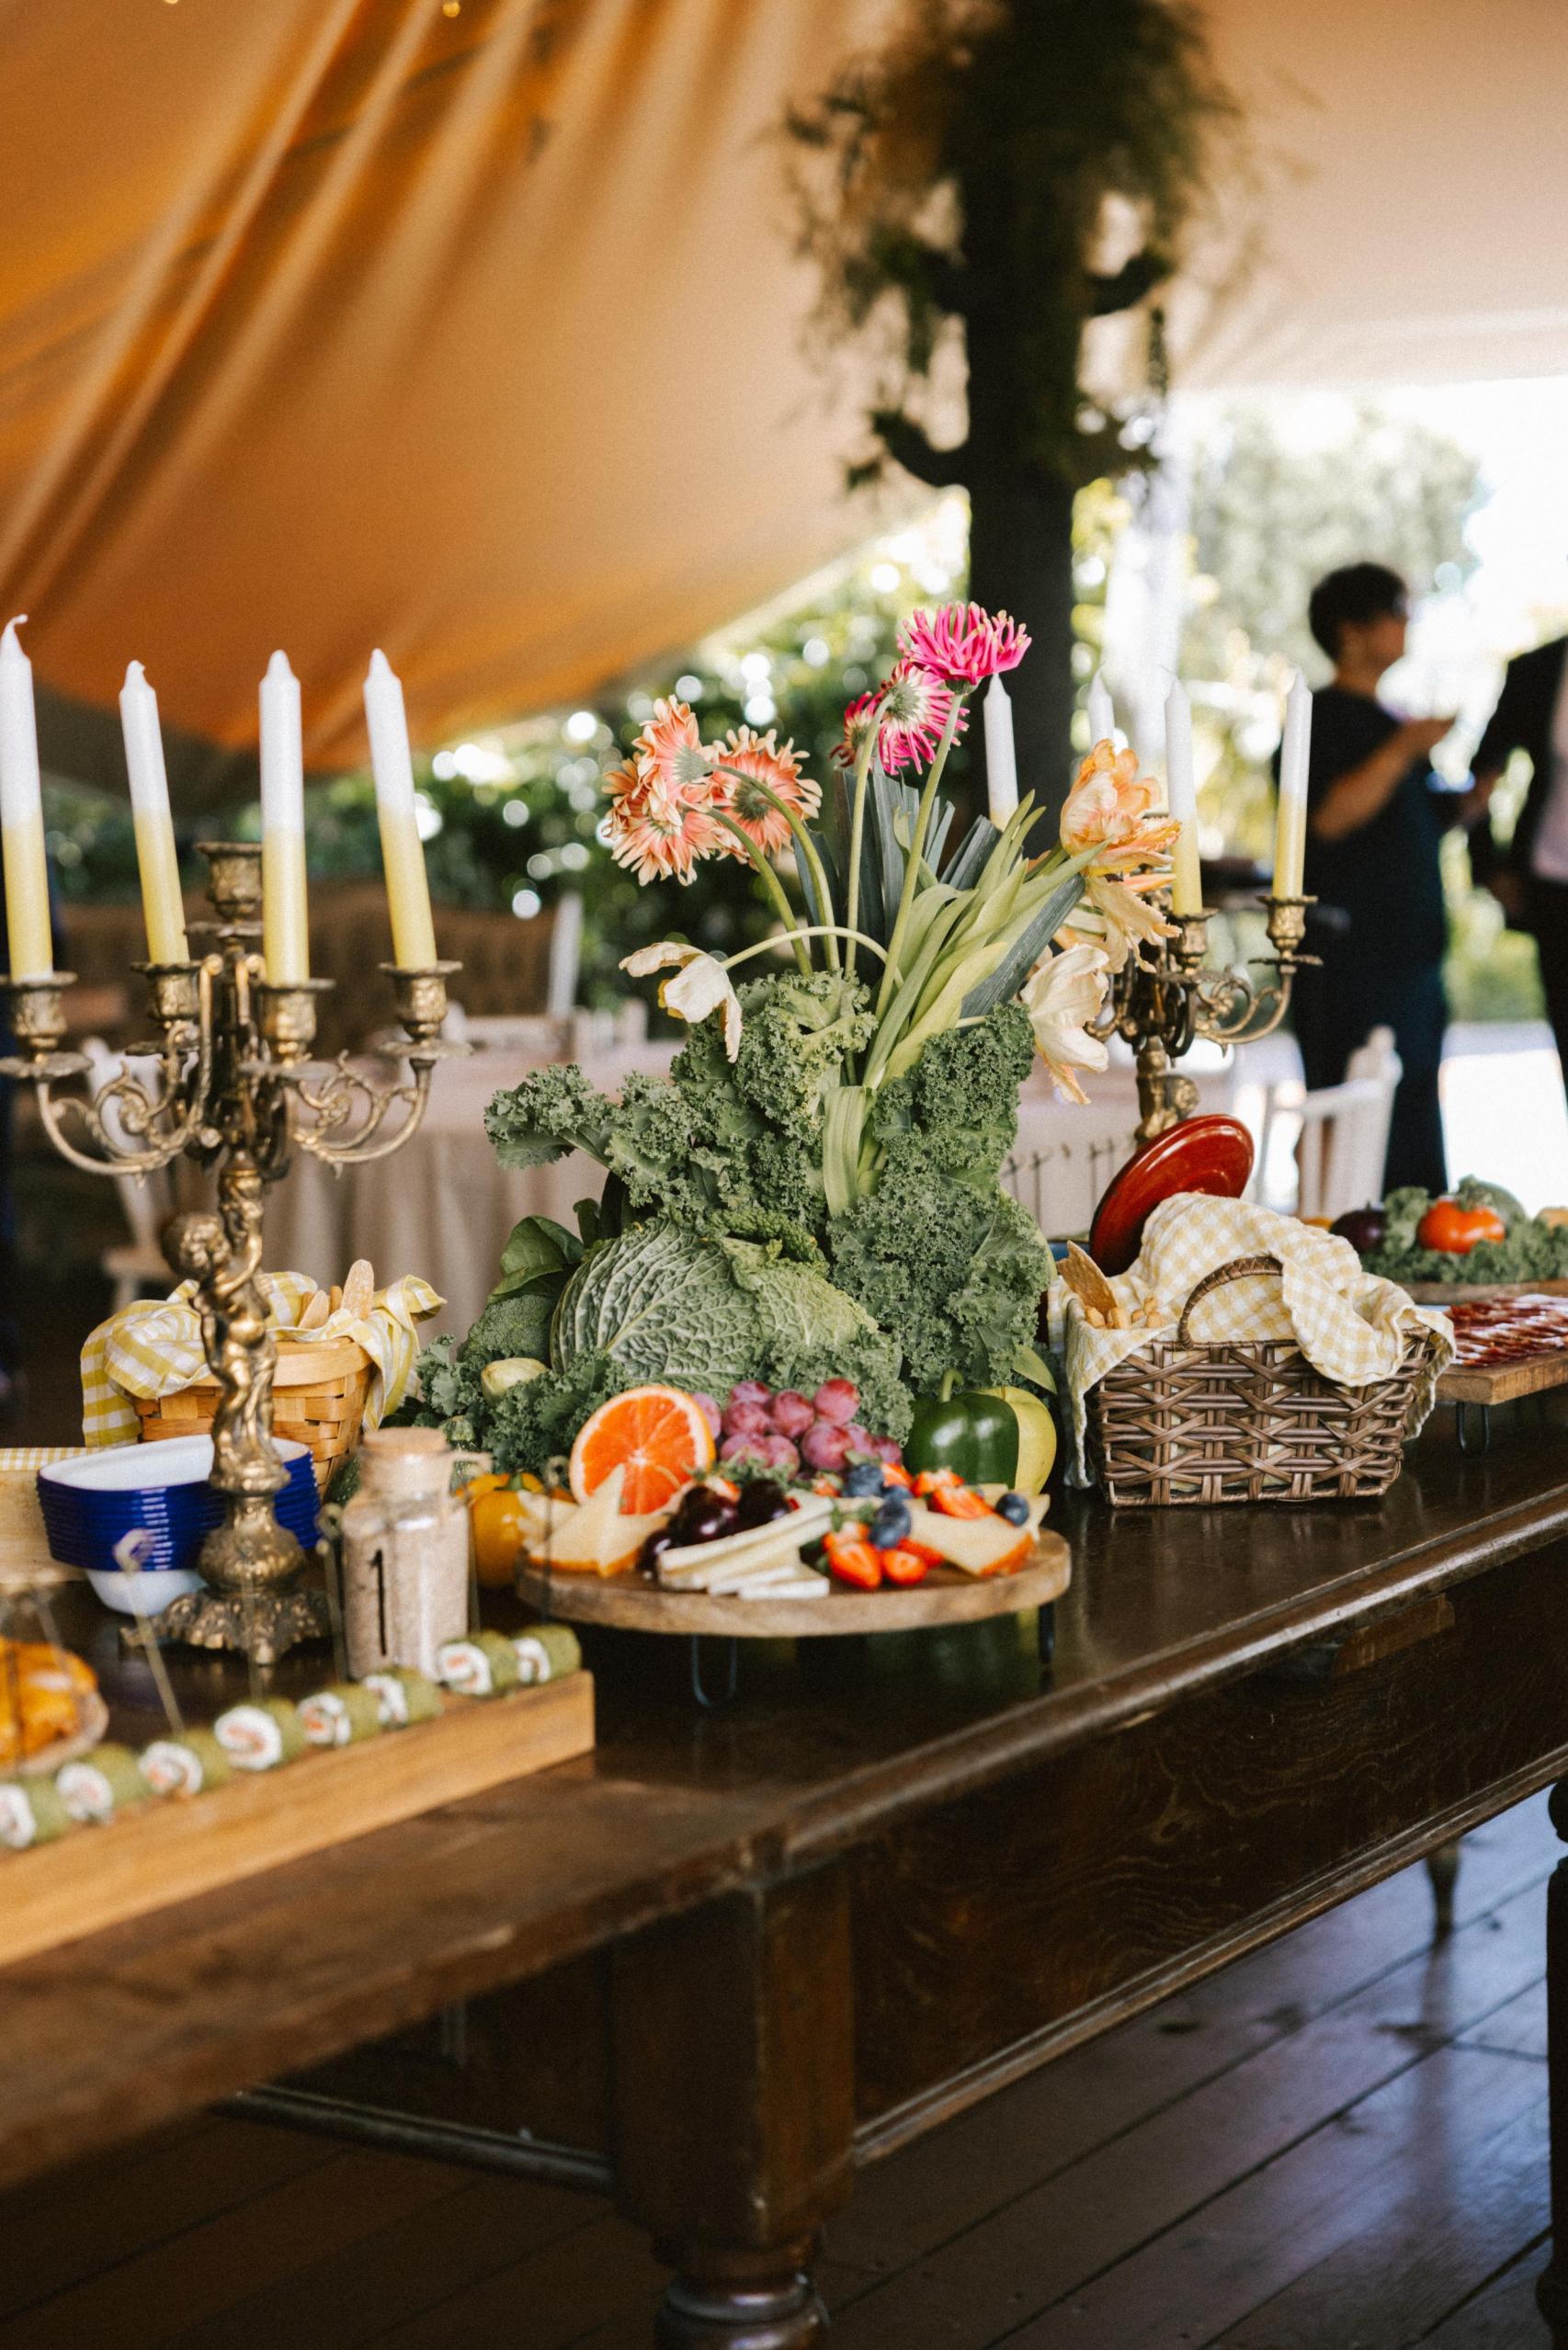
<point>1091,1289</point>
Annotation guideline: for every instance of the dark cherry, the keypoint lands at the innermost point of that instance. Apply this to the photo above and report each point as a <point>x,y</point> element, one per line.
<point>654,1550</point>
<point>761,1503</point>
<point>706,1520</point>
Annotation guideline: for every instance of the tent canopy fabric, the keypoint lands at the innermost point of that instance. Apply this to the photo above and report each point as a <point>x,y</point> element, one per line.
<point>331,323</point>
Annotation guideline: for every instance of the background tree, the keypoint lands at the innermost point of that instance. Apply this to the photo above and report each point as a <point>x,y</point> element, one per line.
<point>959,190</point>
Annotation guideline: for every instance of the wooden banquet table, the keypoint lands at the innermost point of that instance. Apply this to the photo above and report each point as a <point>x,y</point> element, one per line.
<point>732,1956</point>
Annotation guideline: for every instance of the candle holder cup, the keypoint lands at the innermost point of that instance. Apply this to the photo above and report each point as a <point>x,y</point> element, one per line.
<point>233,1088</point>
<point>1164,1003</point>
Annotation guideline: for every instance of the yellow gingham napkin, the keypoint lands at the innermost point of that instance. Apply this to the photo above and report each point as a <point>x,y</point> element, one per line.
<point>153,1347</point>
<point>1351,1325</point>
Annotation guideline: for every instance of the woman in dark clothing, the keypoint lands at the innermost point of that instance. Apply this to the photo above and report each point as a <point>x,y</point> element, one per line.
<point>1375,822</point>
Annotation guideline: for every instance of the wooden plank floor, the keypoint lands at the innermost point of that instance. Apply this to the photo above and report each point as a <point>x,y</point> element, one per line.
<point>1340,2144</point>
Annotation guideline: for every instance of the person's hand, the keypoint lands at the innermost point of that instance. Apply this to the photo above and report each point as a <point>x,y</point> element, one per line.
<point>1422,735</point>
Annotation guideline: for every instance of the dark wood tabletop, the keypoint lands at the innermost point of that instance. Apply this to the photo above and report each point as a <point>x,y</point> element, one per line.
<point>830,1749</point>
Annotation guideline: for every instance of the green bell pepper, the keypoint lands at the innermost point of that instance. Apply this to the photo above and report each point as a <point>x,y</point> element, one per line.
<point>972,1432</point>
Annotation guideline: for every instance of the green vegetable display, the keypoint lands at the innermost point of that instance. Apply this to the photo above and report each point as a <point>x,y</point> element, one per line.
<point>1530,1251</point>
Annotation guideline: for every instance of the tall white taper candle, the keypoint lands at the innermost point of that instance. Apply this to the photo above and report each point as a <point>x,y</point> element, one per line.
<point>402,851</point>
<point>1101,711</point>
<point>155,856</point>
<point>1291,830</point>
<point>21,815</point>
<point>1000,755</point>
<point>285,923</point>
<point>1181,793</point>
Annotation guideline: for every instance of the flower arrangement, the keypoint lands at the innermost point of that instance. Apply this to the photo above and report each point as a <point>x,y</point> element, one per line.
<point>813,1191</point>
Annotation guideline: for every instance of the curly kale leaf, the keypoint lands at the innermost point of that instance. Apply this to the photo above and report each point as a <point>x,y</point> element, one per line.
<point>518,1324</point>
<point>533,1424</point>
<point>964,1090</point>
<point>953,1271</point>
<point>445,1394</point>
<point>552,1111</point>
<point>796,1035</point>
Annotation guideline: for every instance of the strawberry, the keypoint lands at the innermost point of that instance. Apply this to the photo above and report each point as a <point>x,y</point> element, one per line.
<point>853,1561</point>
<point>905,1565</point>
<point>959,1501</point>
<point>895,1473</point>
<point>921,1550</point>
<point>931,1481</point>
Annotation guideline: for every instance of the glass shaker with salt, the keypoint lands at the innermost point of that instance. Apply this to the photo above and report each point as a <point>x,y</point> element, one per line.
<point>405,1553</point>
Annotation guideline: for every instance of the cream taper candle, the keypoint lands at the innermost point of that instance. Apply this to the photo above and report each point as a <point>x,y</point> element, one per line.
<point>1291,830</point>
<point>402,851</point>
<point>284,914</point>
<point>21,816</point>
<point>1101,711</point>
<point>155,855</point>
<point>1001,755</point>
<point>1181,795</point>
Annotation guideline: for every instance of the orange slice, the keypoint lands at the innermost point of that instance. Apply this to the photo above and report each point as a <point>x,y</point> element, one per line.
<point>656,1434</point>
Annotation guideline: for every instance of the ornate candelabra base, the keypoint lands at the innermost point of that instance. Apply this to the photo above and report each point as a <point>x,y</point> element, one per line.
<point>235,1091</point>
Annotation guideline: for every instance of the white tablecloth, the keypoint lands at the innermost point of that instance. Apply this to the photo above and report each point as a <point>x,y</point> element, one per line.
<point>443,1205</point>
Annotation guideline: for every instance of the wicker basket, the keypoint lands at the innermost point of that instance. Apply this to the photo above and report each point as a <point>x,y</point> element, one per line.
<point>1244,1421</point>
<point>319,1395</point>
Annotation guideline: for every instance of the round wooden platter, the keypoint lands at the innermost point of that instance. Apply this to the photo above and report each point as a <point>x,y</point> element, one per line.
<point>945,1597</point>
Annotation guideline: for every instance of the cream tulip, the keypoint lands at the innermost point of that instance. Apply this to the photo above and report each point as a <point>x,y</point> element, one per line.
<point>700,986</point>
<point>1062,994</point>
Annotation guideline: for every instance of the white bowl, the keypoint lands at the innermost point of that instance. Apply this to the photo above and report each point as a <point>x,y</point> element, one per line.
<point>145,1594</point>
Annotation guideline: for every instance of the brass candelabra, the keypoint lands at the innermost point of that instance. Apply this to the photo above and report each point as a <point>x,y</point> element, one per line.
<point>233,1088</point>
<point>1163,1004</point>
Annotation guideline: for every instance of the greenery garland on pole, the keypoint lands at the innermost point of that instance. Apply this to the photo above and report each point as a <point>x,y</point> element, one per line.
<point>957,187</point>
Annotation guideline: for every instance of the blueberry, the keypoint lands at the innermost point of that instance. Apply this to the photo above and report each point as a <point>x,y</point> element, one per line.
<point>1014,1508</point>
<point>862,1479</point>
<point>891,1523</point>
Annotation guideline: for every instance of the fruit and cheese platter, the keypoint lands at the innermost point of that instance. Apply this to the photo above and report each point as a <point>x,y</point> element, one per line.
<point>1506,1347</point>
<point>780,1515</point>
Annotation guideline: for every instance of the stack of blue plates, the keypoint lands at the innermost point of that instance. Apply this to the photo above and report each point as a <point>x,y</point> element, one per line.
<point>91,1504</point>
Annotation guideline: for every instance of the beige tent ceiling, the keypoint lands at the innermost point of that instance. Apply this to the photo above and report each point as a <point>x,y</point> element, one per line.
<point>335,323</point>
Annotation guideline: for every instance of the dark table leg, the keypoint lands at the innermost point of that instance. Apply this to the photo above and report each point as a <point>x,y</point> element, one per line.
<point>1443,1871</point>
<point>733,2107</point>
<point>1551,2286</point>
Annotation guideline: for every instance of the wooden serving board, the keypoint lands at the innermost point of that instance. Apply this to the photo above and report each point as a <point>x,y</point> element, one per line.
<point>945,1597</point>
<point>1504,1382</point>
<point>172,1850</point>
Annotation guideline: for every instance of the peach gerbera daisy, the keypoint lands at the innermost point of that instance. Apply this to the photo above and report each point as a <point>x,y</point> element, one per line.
<point>659,834</point>
<point>746,756</point>
<point>669,749</point>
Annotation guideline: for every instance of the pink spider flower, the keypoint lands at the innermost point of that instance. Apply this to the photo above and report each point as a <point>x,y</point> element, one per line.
<point>963,643</point>
<point>759,757</point>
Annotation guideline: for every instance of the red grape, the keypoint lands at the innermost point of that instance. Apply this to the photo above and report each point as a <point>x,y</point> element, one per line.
<point>837,1400</point>
<point>792,1415</point>
<point>860,1439</point>
<point>887,1448</point>
<point>781,1454</point>
<point>750,1390</point>
<point>823,1445</point>
<point>745,1419</point>
<point>743,1447</point>
<point>710,1411</point>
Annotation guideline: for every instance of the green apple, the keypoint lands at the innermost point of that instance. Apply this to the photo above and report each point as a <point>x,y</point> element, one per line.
<point>1036,1436</point>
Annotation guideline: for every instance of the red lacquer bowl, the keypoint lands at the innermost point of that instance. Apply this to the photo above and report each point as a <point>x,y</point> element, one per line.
<point>1207,1154</point>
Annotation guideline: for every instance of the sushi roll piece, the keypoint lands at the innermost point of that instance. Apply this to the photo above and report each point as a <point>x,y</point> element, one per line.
<point>260,1737</point>
<point>32,1811</point>
<point>480,1667</point>
<point>341,1715</point>
<point>96,1785</point>
<point>186,1766</point>
<point>403,1695</point>
<point>546,1653</point>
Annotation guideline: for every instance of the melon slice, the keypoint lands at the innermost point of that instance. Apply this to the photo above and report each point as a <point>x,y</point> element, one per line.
<point>595,1539</point>
<point>976,1546</point>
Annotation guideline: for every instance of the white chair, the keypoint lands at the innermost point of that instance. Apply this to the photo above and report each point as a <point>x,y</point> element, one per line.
<point>138,1263</point>
<point>1341,1132</point>
<point>1064,1155</point>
